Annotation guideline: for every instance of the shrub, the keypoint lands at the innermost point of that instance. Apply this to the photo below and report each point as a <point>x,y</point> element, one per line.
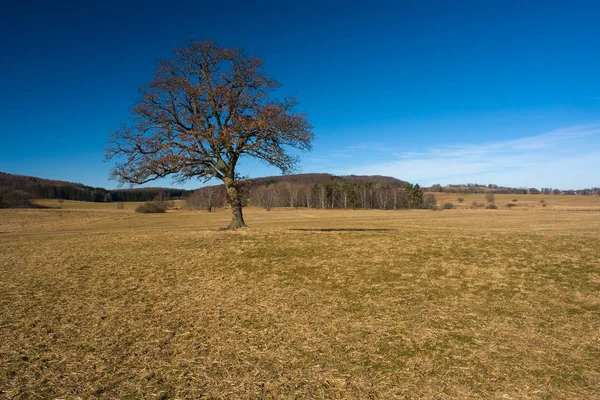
<point>152,207</point>
<point>448,206</point>
<point>120,205</point>
<point>429,201</point>
<point>542,201</point>
<point>460,199</point>
<point>491,206</point>
<point>515,200</point>
<point>511,205</point>
<point>490,197</point>
<point>15,199</point>
<point>544,205</point>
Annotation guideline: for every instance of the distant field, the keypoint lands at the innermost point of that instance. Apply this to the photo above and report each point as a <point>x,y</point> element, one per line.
<point>524,200</point>
<point>86,205</point>
<point>414,304</point>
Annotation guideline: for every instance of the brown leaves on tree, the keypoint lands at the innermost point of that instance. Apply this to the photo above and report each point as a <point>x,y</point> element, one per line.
<point>204,110</point>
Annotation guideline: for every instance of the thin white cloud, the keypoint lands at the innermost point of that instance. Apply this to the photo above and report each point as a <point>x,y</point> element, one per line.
<point>563,158</point>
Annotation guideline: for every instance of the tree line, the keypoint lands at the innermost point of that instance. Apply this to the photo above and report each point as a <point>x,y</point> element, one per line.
<point>332,195</point>
<point>477,188</point>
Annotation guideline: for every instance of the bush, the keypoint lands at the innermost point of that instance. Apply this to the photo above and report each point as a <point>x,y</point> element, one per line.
<point>511,205</point>
<point>491,206</point>
<point>120,205</point>
<point>151,208</point>
<point>429,201</point>
<point>515,200</point>
<point>490,197</point>
<point>542,201</point>
<point>15,199</point>
<point>544,205</point>
<point>448,206</point>
<point>460,199</point>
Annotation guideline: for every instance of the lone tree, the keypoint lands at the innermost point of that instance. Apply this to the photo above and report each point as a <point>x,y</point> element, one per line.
<point>205,109</point>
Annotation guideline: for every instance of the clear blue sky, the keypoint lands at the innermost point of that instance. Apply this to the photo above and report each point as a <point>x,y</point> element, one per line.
<point>430,92</point>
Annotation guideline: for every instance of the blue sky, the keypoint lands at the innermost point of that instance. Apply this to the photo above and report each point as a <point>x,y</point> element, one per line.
<point>429,92</point>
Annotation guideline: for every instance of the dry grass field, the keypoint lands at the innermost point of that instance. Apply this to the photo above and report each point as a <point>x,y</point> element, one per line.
<point>453,304</point>
<point>85,205</point>
<point>527,201</point>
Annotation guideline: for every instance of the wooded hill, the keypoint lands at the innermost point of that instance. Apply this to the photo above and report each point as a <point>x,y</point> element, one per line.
<point>319,179</point>
<point>318,191</point>
<point>16,190</point>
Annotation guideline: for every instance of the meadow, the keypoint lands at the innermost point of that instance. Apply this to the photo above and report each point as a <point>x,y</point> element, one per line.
<point>358,304</point>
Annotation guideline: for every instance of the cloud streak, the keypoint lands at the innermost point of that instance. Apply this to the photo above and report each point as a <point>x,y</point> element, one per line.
<point>563,158</point>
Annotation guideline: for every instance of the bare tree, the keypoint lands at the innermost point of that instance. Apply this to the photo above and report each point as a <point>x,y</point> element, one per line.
<point>309,195</point>
<point>322,194</point>
<point>160,196</point>
<point>276,195</point>
<point>204,110</point>
<point>265,197</point>
<point>384,196</point>
<point>367,194</point>
<point>430,201</point>
<point>293,194</point>
<point>205,198</point>
<point>345,194</point>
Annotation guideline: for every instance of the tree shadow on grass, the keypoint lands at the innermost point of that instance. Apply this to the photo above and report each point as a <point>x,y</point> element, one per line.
<point>343,229</point>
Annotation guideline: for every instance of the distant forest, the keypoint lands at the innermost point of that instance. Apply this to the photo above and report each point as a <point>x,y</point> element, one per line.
<point>17,190</point>
<point>300,190</point>
<point>317,191</point>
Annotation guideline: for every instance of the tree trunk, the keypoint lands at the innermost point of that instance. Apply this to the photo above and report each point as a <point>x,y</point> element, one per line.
<point>234,197</point>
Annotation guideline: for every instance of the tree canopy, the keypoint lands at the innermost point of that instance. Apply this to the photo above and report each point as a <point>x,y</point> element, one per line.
<point>204,109</point>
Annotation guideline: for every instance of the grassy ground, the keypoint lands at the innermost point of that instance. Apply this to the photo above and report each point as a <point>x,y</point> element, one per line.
<point>528,201</point>
<point>86,205</point>
<point>473,304</point>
